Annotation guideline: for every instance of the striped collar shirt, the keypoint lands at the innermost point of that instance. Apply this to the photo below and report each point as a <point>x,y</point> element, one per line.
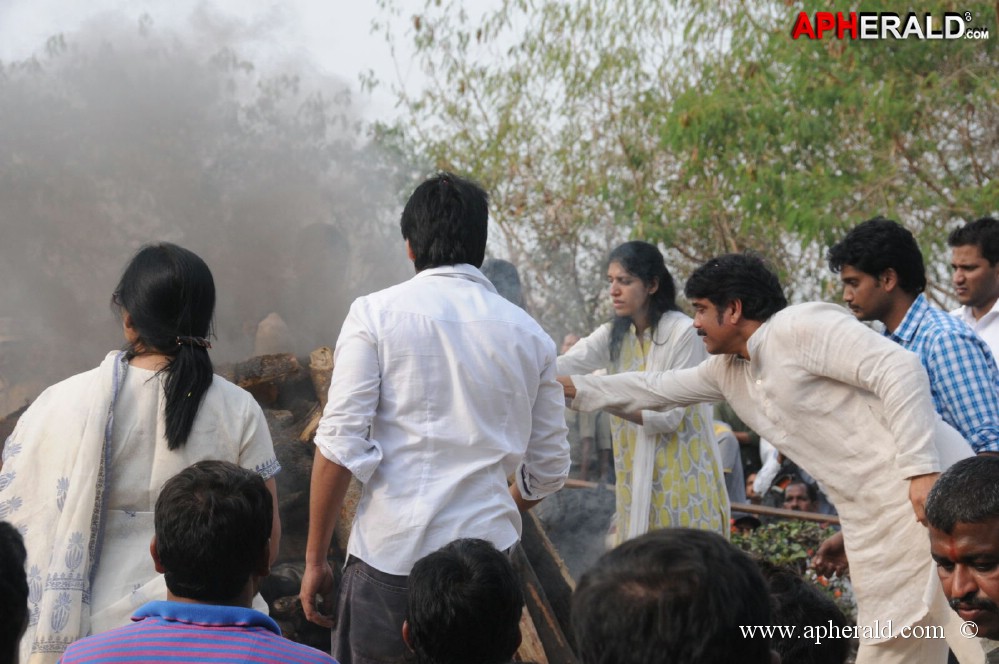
<point>201,633</point>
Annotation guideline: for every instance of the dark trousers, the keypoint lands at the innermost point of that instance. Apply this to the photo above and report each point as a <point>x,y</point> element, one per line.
<point>371,607</point>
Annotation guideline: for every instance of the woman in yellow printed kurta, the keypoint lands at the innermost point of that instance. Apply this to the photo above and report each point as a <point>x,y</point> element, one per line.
<point>667,465</point>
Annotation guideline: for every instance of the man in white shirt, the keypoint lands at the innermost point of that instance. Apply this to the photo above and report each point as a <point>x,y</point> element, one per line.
<point>441,390</point>
<point>851,407</point>
<point>975,261</point>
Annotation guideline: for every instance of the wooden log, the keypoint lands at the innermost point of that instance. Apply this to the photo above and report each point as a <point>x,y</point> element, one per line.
<point>321,369</point>
<point>549,568</point>
<point>347,512</point>
<point>531,649</point>
<point>553,639</point>
<point>311,425</point>
<point>262,376</point>
<point>748,508</point>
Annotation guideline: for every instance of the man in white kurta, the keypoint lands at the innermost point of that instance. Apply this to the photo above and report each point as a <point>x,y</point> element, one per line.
<point>853,409</point>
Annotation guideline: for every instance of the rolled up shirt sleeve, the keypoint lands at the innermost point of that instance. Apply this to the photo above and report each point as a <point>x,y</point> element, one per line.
<point>344,433</point>
<point>546,461</point>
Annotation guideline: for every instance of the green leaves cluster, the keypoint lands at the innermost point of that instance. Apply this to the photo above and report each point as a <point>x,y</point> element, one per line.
<point>791,544</point>
<point>703,126</point>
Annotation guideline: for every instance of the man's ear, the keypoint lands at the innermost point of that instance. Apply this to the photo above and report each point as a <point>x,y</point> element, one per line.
<point>157,564</point>
<point>733,312</point>
<point>888,279</point>
<point>263,567</point>
<point>409,252</point>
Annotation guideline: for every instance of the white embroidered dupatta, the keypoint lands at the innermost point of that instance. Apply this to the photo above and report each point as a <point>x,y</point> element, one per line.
<point>52,488</point>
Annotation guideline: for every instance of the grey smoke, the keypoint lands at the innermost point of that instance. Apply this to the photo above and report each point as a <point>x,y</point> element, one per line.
<point>123,134</point>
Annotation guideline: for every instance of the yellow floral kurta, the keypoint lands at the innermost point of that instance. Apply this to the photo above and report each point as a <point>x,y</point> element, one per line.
<point>685,487</point>
<point>688,485</point>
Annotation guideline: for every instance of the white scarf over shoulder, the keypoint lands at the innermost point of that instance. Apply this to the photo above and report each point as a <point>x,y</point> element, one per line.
<point>52,488</point>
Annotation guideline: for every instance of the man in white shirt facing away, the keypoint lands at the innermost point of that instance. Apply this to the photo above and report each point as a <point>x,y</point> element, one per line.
<point>441,390</point>
<point>975,260</point>
<point>851,407</point>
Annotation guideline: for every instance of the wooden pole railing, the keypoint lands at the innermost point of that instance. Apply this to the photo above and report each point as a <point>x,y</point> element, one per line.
<point>746,508</point>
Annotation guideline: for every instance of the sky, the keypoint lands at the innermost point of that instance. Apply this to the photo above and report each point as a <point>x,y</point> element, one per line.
<point>335,36</point>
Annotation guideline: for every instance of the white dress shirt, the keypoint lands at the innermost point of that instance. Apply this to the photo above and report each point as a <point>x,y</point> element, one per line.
<point>853,409</point>
<point>441,390</point>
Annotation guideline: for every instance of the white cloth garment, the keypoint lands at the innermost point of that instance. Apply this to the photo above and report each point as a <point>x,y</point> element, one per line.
<point>81,486</point>
<point>851,408</point>
<point>441,390</point>
<point>987,327</point>
<point>767,473</point>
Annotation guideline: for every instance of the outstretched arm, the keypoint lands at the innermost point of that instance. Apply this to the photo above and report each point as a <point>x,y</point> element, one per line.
<point>641,390</point>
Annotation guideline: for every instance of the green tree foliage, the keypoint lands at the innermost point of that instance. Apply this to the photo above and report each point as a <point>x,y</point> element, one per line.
<point>700,125</point>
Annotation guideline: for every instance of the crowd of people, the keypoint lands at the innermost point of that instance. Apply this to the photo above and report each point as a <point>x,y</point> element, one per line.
<point>141,506</point>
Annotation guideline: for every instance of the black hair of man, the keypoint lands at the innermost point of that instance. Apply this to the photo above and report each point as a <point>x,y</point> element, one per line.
<point>674,595</point>
<point>982,233</point>
<point>797,602</point>
<point>745,277</point>
<point>213,525</point>
<point>464,605</point>
<point>880,244</point>
<point>13,592</point>
<point>967,492</point>
<point>445,222</point>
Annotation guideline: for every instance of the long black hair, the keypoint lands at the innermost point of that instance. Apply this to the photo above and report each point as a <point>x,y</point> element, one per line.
<point>646,262</point>
<point>169,294</point>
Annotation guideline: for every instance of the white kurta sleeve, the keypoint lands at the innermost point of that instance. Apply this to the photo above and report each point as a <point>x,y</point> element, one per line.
<point>588,354</point>
<point>680,348</point>
<point>256,449</point>
<point>644,390</point>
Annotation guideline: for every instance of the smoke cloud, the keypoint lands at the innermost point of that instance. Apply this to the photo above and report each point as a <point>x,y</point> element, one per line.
<point>121,134</point>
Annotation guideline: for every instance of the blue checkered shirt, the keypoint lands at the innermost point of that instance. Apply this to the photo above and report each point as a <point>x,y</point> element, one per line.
<point>964,380</point>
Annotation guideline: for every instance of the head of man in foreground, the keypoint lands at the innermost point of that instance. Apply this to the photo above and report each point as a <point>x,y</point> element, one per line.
<point>675,595</point>
<point>464,605</point>
<point>963,515</point>
<point>213,527</point>
<point>445,222</point>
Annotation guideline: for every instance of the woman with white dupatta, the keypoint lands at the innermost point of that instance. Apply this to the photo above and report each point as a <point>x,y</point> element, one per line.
<point>667,467</point>
<point>84,466</point>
